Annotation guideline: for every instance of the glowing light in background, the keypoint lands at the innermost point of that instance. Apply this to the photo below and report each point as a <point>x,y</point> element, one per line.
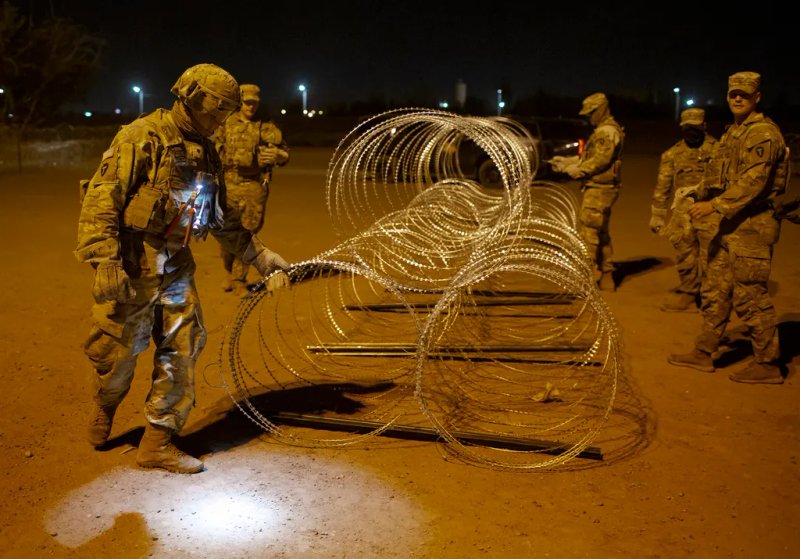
<point>138,90</point>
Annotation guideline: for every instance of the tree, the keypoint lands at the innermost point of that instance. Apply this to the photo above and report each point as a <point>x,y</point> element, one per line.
<point>42,67</point>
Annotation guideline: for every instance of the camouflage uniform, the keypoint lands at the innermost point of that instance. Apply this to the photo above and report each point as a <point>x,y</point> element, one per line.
<point>247,183</point>
<point>148,172</point>
<point>749,170</point>
<point>680,172</point>
<point>600,169</point>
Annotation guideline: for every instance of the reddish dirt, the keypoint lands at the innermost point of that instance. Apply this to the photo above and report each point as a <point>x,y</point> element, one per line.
<point>714,474</point>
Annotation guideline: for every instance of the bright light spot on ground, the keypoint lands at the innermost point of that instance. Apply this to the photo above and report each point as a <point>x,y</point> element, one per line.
<point>250,502</point>
<point>216,515</point>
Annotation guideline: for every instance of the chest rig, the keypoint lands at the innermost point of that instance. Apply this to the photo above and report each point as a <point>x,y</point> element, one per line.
<point>690,164</point>
<point>242,138</point>
<point>179,196</point>
<point>731,160</point>
<point>613,174</point>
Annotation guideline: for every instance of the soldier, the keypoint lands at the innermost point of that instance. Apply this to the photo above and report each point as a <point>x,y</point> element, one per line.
<point>680,173</point>
<point>599,167</point>
<point>748,171</point>
<point>158,185</point>
<point>249,150</point>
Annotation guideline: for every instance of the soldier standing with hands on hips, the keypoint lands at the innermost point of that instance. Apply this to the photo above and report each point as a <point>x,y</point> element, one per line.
<point>249,150</point>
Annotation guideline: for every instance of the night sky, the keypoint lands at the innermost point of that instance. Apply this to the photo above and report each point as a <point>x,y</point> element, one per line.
<point>348,51</point>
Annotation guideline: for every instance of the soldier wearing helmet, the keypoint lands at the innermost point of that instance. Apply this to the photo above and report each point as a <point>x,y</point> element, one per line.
<point>599,168</point>
<point>748,171</point>
<point>680,173</point>
<point>159,185</point>
<point>249,150</point>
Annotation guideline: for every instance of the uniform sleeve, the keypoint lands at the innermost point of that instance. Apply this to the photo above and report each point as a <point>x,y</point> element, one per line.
<point>758,155</point>
<point>219,139</point>
<point>605,142</point>
<point>233,237</point>
<point>121,168</point>
<point>664,183</point>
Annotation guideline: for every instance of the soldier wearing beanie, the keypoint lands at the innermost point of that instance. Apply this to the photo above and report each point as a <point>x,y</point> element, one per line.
<point>749,169</point>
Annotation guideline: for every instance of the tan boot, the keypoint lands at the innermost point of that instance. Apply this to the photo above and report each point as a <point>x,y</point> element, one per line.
<point>758,373</point>
<point>607,283</point>
<point>680,302</point>
<point>157,451</point>
<point>695,359</point>
<point>100,424</point>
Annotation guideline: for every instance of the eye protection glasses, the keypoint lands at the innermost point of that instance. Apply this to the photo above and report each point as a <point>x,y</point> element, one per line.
<point>737,93</point>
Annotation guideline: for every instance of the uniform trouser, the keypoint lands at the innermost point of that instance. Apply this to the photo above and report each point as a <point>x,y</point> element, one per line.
<point>593,225</point>
<point>166,308</point>
<point>737,279</point>
<point>690,239</point>
<point>247,198</point>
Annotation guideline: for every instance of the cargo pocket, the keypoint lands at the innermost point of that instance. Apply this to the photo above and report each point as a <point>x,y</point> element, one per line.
<point>591,217</point>
<point>751,264</point>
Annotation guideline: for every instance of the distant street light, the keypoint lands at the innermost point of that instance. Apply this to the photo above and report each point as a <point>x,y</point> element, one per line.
<point>500,103</point>
<point>140,91</point>
<point>677,92</point>
<point>689,102</point>
<point>302,89</point>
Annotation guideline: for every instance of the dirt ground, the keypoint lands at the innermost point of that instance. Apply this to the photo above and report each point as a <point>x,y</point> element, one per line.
<point>713,471</point>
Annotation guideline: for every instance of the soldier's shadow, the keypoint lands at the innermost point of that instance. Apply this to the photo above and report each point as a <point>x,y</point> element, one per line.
<point>225,425</point>
<point>738,346</point>
<point>624,269</point>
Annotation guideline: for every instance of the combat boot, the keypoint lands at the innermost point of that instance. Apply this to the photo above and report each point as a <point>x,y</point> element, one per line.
<point>680,302</point>
<point>157,451</point>
<point>758,373</point>
<point>100,424</point>
<point>696,359</point>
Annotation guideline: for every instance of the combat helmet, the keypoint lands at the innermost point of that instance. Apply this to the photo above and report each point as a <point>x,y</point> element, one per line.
<point>592,103</point>
<point>211,80</point>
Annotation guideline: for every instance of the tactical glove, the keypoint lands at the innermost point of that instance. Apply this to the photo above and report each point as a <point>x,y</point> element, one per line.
<point>111,283</point>
<point>277,281</point>
<point>267,156</point>
<point>559,163</point>
<point>574,171</point>
<point>657,219</point>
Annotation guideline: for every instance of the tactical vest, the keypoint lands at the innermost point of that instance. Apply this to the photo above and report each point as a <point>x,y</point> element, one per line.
<point>242,138</point>
<point>690,163</point>
<point>612,176</point>
<point>183,185</point>
<point>725,166</point>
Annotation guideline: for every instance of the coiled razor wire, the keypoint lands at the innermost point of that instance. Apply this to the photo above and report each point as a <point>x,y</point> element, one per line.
<point>445,306</point>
